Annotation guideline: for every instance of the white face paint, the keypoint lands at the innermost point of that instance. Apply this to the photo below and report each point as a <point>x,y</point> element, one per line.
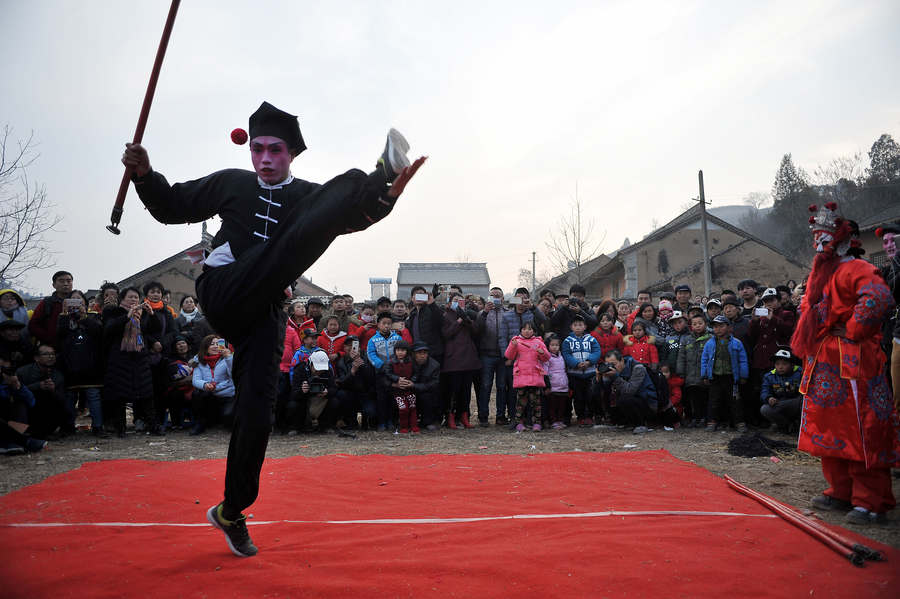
<point>820,240</point>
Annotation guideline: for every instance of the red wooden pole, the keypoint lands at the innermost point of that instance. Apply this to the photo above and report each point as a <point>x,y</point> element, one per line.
<point>116,216</point>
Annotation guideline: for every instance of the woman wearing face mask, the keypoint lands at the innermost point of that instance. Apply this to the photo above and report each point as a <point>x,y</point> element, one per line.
<point>191,324</point>
<point>460,360</point>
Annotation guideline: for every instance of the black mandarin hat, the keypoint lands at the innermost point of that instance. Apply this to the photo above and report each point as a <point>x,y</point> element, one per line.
<point>268,120</point>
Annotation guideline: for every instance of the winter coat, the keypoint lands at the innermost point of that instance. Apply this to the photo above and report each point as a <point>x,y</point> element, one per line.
<point>194,331</point>
<point>164,334</point>
<point>460,352</point>
<point>688,365</point>
<point>300,356</point>
<point>643,350</point>
<point>80,349</point>
<point>781,387</point>
<point>487,329</point>
<point>128,374</point>
<point>512,322</point>
<point>381,348</point>
<point>31,376</point>
<point>740,329</point>
<point>347,380</point>
<point>20,352</point>
<point>740,367</point>
<point>20,314</point>
<point>669,348</point>
<point>363,334</point>
<point>634,380</point>
<point>556,372</point>
<point>425,324</point>
<point>581,349</point>
<point>42,325</point>
<point>332,345</point>
<point>527,369</point>
<point>426,378</point>
<point>768,335</point>
<point>292,343</point>
<point>561,320</point>
<point>608,340</point>
<point>220,375</point>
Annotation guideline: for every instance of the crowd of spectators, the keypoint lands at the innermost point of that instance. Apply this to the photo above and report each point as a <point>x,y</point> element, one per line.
<point>669,359</point>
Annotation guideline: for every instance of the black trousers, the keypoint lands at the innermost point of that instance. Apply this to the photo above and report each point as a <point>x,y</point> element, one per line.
<point>724,403</point>
<point>581,395</point>
<point>243,302</point>
<point>696,397</point>
<point>460,386</point>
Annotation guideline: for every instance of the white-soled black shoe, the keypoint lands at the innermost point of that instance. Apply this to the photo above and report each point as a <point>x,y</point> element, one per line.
<point>236,534</point>
<point>393,159</point>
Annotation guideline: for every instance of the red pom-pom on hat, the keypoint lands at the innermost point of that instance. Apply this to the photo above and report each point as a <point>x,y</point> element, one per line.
<point>813,207</point>
<point>831,206</point>
<point>812,220</point>
<point>239,136</point>
<point>879,232</point>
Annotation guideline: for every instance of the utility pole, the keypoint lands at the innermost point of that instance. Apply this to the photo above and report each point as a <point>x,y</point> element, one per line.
<point>533,273</point>
<point>707,275</point>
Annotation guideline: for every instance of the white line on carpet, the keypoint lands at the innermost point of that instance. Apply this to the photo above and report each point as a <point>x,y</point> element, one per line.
<point>397,520</point>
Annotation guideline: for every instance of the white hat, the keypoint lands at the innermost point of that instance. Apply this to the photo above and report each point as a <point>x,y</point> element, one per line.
<point>676,314</point>
<point>770,292</point>
<point>319,360</point>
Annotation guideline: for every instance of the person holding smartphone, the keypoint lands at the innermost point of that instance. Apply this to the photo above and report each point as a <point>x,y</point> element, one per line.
<point>493,371</point>
<point>213,397</point>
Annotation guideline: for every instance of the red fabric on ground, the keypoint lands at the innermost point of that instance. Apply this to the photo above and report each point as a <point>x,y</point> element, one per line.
<point>653,556</point>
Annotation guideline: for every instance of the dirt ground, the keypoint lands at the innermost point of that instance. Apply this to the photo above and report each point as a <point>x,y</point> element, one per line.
<point>794,478</point>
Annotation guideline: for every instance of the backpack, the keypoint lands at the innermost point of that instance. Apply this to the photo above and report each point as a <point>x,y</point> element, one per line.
<point>661,384</point>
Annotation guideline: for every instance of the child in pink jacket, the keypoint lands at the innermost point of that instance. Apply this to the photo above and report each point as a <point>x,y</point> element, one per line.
<point>527,352</point>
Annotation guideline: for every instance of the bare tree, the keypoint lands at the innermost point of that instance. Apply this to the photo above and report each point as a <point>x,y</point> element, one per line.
<point>26,214</point>
<point>850,168</point>
<point>573,242</point>
<point>757,199</point>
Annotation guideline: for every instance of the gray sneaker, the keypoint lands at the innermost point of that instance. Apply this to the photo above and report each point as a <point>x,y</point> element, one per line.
<point>640,430</point>
<point>393,159</point>
<point>826,502</point>
<point>863,516</point>
<point>236,534</point>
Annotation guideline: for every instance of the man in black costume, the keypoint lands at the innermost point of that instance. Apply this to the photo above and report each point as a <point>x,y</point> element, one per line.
<point>274,227</point>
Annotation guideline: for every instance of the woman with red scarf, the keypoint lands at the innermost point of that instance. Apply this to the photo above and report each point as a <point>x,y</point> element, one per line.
<point>849,419</point>
<point>213,395</point>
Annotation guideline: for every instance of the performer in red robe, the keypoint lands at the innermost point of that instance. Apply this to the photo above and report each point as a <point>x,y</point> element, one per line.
<point>849,419</point>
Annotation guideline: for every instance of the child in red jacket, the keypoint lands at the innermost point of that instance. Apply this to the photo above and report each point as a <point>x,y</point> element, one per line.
<point>675,385</point>
<point>607,335</point>
<point>641,347</point>
<point>367,329</point>
<point>332,339</point>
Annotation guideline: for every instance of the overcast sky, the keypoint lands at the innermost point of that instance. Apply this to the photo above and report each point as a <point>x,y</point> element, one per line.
<point>514,102</point>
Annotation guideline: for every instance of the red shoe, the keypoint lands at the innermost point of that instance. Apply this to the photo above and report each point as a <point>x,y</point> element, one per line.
<point>451,421</point>
<point>415,429</point>
<point>403,430</point>
<point>465,421</point>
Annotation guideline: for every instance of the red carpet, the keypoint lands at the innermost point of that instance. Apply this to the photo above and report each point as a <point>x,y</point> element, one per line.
<point>307,549</point>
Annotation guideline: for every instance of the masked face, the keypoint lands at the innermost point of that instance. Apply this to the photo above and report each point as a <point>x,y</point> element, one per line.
<point>889,243</point>
<point>821,239</point>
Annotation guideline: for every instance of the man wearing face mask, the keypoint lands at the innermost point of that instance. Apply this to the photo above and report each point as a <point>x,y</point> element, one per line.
<point>849,420</point>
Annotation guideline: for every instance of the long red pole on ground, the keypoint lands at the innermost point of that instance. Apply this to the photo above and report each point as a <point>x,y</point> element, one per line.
<point>116,216</point>
<point>855,552</point>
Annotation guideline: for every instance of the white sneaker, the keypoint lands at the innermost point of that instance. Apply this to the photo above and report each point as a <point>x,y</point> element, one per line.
<point>393,159</point>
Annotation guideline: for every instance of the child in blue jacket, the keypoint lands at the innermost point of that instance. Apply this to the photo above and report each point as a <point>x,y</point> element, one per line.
<point>724,366</point>
<point>780,395</point>
<point>581,351</point>
<point>379,351</point>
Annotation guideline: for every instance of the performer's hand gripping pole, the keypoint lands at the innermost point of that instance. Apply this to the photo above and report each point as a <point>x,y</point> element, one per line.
<point>116,216</point>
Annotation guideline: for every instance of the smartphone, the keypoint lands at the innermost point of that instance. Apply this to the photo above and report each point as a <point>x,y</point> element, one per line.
<point>221,343</point>
<point>355,345</point>
<point>761,311</point>
<point>421,297</point>
<point>515,300</point>
<point>497,301</point>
